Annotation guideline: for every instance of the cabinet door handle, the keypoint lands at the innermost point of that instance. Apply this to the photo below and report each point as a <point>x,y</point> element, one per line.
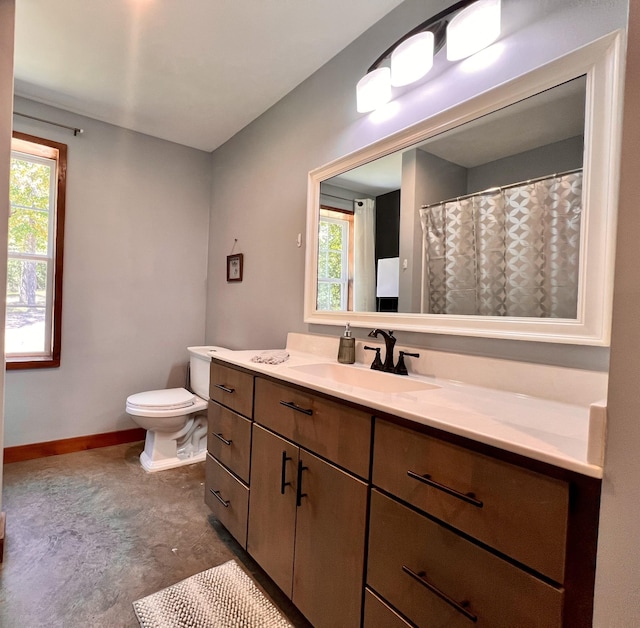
<point>293,406</point>
<point>470,498</point>
<point>299,493</point>
<point>220,437</point>
<point>283,475</point>
<point>216,494</point>
<point>225,388</point>
<point>461,607</point>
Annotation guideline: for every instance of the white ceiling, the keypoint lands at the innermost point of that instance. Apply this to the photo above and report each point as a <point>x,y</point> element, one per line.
<point>193,72</point>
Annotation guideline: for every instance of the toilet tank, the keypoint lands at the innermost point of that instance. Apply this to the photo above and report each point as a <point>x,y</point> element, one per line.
<point>199,367</point>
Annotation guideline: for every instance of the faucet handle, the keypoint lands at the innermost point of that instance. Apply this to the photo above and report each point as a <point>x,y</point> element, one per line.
<point>376,365</point>
<point>400,368</point>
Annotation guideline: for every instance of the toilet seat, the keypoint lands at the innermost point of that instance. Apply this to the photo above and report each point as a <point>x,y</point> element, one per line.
<point>166,402</point>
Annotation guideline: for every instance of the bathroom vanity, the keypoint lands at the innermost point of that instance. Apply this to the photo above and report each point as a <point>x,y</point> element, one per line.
<point>365,514</point>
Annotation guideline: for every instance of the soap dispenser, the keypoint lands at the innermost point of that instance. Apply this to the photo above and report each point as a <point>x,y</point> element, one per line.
<point>347,347</point>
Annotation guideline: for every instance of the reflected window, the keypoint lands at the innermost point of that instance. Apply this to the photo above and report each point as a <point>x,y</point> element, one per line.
<point>334,234</point>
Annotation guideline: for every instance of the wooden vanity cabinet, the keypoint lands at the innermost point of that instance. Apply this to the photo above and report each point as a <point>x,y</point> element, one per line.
<point>385,523</point>
<point>518,512</point>
<point>229,448</point>
<point>457,536</point>
<point>437,577</point>
<point>307,516</point>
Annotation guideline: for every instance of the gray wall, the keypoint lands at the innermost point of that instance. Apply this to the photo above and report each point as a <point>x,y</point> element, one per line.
<point>425,179</point>
<point>552,158</point>
<point>618,567</point>
<point>135,263</point>
<point>7,17</point>
<point>260,175</point>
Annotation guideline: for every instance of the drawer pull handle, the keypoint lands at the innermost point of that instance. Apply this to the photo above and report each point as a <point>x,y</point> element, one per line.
<point>461,607</point>
<point>220,437</point>
<point>293,406</point>
<point>283,476</point>
<point>299,493</point>
<point>225,388</point>
<point>470,498</point>
<point>216,494</point>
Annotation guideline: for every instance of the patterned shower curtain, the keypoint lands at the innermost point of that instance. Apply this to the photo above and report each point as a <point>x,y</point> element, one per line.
<point>506,252</point>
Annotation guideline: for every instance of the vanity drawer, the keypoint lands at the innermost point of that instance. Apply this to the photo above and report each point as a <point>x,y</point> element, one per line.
<point>231,388</point>
<point>229,439</point>
<point>333,430</point>
<point>228,499</point>
<point>518,512</point>
<point>437,578</point>
<point>378,614</point>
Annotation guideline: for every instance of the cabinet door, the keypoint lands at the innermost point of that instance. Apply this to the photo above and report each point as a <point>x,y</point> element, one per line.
<point>272,505</point>
<point>330,544</point>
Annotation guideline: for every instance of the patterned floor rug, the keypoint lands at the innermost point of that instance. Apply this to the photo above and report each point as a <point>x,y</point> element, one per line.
<point>221,597</point>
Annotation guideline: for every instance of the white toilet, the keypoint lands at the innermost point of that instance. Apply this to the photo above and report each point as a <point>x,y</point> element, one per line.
<point>175,418</point>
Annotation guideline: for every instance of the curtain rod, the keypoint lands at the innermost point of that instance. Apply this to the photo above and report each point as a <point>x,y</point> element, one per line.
<point>76,130</point>
<point>504,187</point>
<point>342,198</point>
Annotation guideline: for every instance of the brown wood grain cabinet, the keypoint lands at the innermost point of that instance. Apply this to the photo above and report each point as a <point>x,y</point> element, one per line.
<point>232,388</point>
<point>272,524</point>
<point>229,440</point>
<point>307,526</point>
<point>307,516</point>
<point>383,523</point>
<point>229,448</point>
<point>436,577</point>
<point>378,614</point>
<point>331,429</point>
<point>514,510</point>
<point>228,499</point>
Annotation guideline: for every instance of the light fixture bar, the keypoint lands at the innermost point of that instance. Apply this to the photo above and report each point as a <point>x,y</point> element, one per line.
<point>467,26</point>
<point>438,32</point>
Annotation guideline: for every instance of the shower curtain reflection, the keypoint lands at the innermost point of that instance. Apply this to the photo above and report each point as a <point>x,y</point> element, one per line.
<point>511,251</point>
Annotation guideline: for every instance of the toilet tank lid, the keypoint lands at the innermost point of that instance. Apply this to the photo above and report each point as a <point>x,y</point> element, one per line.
<point>169,399</point>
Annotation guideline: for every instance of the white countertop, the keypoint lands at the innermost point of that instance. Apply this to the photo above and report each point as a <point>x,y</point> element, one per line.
<point>562,434</point>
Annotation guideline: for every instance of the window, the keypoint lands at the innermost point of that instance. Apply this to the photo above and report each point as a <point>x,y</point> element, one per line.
<point>334,260</point>
<point>34,267</point>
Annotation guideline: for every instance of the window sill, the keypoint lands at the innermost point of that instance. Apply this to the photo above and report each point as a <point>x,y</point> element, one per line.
<point>16,363</point>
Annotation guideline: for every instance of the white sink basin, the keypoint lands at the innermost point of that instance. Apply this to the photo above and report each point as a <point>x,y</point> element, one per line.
<point>364,378</point>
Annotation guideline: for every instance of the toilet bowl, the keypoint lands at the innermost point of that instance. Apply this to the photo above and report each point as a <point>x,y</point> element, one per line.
<point>175,418</point>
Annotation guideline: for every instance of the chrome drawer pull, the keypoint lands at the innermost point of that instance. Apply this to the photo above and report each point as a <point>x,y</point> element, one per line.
<point>293,406</point>
<point>216,494</point>
<point>225,389</point>
<point>461,607</point>
<point>299,493</point>
<point>220,437</point>
<point>283,476</point>
<point>470,498</point>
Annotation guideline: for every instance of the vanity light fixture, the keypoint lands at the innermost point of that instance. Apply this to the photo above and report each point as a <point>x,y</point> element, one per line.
<point>467,27</point>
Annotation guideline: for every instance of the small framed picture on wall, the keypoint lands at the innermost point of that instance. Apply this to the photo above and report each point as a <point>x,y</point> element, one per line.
<point>234,267</point>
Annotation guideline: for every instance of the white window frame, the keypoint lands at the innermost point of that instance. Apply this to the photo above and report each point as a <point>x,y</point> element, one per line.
<point>343,281</point>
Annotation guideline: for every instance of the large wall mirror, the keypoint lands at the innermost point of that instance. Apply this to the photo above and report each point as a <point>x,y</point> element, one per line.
<point>495,218</point>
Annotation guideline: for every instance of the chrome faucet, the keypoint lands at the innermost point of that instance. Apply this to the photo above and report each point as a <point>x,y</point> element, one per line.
<point>389,342</point>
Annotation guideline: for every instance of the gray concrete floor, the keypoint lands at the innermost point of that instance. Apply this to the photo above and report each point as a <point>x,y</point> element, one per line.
<point>89,533</point>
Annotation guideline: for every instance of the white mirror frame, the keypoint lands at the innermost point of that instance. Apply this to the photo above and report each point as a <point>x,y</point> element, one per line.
<point>601,62</point>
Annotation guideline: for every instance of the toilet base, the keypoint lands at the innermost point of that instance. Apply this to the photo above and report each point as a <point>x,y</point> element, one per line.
<point>169,463</point>
<point>166,450</point>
